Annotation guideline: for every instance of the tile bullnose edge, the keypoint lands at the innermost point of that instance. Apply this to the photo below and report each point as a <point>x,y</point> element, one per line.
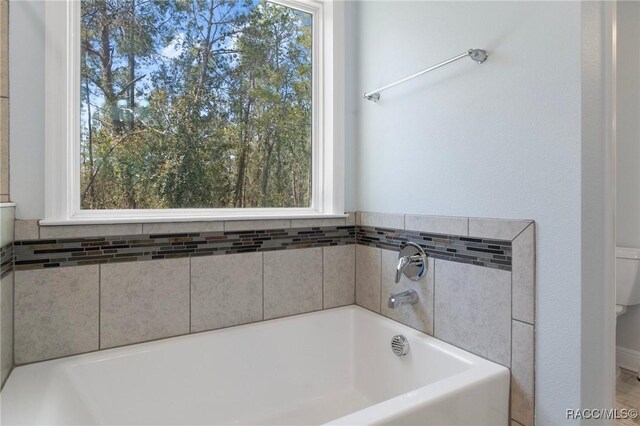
<point>524,275</point>
<point>381,220</point>
<point>446,225</point>
<point>497,229</point>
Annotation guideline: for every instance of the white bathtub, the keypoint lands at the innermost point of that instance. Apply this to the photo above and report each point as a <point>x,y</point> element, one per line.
<point>334,366</point>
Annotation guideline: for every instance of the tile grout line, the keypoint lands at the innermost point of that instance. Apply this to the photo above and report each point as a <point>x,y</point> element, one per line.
<point>511,345</point>
<point>13,320</point>
<point>190,330</point>
<point>380,283</point>
<point>355,275</point>
<point>355,259</point>
<point>511,325</point>
<point>523,322</point>
<point>433,320</point>
<point>521,232</point>
<point>322,273</point>
<point>99,306</point>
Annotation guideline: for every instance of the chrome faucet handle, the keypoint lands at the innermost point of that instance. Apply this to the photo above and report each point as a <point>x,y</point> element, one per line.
<point>412,262</point>
<point>402,264</point>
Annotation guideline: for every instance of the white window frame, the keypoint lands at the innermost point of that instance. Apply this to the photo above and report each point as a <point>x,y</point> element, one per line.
<point>62,125</point>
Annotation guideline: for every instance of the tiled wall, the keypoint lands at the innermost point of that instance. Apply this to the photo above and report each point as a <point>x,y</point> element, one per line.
<point>6,291</point>
<point>64,311</point>
<point>78,292</point>
<point>86,293</point>
<point>481,306</point>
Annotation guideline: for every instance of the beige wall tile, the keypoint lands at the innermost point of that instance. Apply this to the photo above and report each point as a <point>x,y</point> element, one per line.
<point>292,282</point>
<point>56,312</point>
<point>6,327</point>
<point>225,290</point>
<point>351,219</point>
<point>418,316</point>
<point>368,279</point>
<point>26,230</point>
<point>4,146</point>
<point>382,220</point>
<point>523,267</point>
<point>142,301</point>
<point>339,275</point>
<point>177,227</point>
<point>245,225</point>
<point>71,231</point>
<point>4,48</point>
<point>498,229</point>
<point>7,216</point>
<point>522,373</point>
<point>473,309</point>
<point>437,224</point>
<point>307,223</point>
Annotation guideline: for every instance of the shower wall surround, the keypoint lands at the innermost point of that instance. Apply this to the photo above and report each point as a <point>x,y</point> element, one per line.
<point>7,214</point>
<point>85,288</point>
<point>7,210</point>
<point>485,305</point>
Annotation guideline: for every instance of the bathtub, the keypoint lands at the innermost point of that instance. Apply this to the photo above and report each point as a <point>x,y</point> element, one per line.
<point>329,367</point>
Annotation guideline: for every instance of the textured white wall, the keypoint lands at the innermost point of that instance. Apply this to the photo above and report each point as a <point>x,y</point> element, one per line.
<point>628,152</point>
<point>27,107</point>
<point>501,139</point>
<point>628,125</point>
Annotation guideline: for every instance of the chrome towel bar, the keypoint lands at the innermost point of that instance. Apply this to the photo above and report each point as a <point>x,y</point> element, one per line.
<point>478,55</point>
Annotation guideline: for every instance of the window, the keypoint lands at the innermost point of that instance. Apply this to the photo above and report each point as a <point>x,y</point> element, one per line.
<point>192,108</point>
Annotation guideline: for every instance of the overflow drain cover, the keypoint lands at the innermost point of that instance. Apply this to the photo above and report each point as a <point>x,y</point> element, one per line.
<point>400,345</point>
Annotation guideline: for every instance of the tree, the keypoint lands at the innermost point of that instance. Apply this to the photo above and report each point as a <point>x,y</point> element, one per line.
<point>195,103</point>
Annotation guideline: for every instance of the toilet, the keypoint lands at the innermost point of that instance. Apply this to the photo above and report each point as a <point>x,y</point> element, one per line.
<point>627,280</point>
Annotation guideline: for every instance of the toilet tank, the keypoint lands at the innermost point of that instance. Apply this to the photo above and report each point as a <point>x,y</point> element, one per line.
<point>627,276</point>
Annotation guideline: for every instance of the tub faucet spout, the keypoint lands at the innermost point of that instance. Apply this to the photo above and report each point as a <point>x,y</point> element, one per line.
<point>409,297</point>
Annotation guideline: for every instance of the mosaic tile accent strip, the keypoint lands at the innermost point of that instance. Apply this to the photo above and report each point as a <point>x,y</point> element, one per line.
<point>52,253</point>
<point>6,259</point>
<point>475,251</point>
<point>36,254</point>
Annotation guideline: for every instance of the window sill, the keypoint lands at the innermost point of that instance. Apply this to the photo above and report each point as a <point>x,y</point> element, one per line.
<point>106,219</point>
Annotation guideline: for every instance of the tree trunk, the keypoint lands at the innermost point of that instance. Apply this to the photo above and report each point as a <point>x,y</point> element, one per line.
<point>132,66</point>
<point>206,54</point>
<point>266,170</point>
<point>111,103</point>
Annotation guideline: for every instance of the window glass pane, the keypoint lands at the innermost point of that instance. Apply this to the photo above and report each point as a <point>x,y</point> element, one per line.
<point>195,104</point>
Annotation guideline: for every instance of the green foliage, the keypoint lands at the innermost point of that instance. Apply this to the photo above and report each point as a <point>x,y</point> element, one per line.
<point>195,104</point>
